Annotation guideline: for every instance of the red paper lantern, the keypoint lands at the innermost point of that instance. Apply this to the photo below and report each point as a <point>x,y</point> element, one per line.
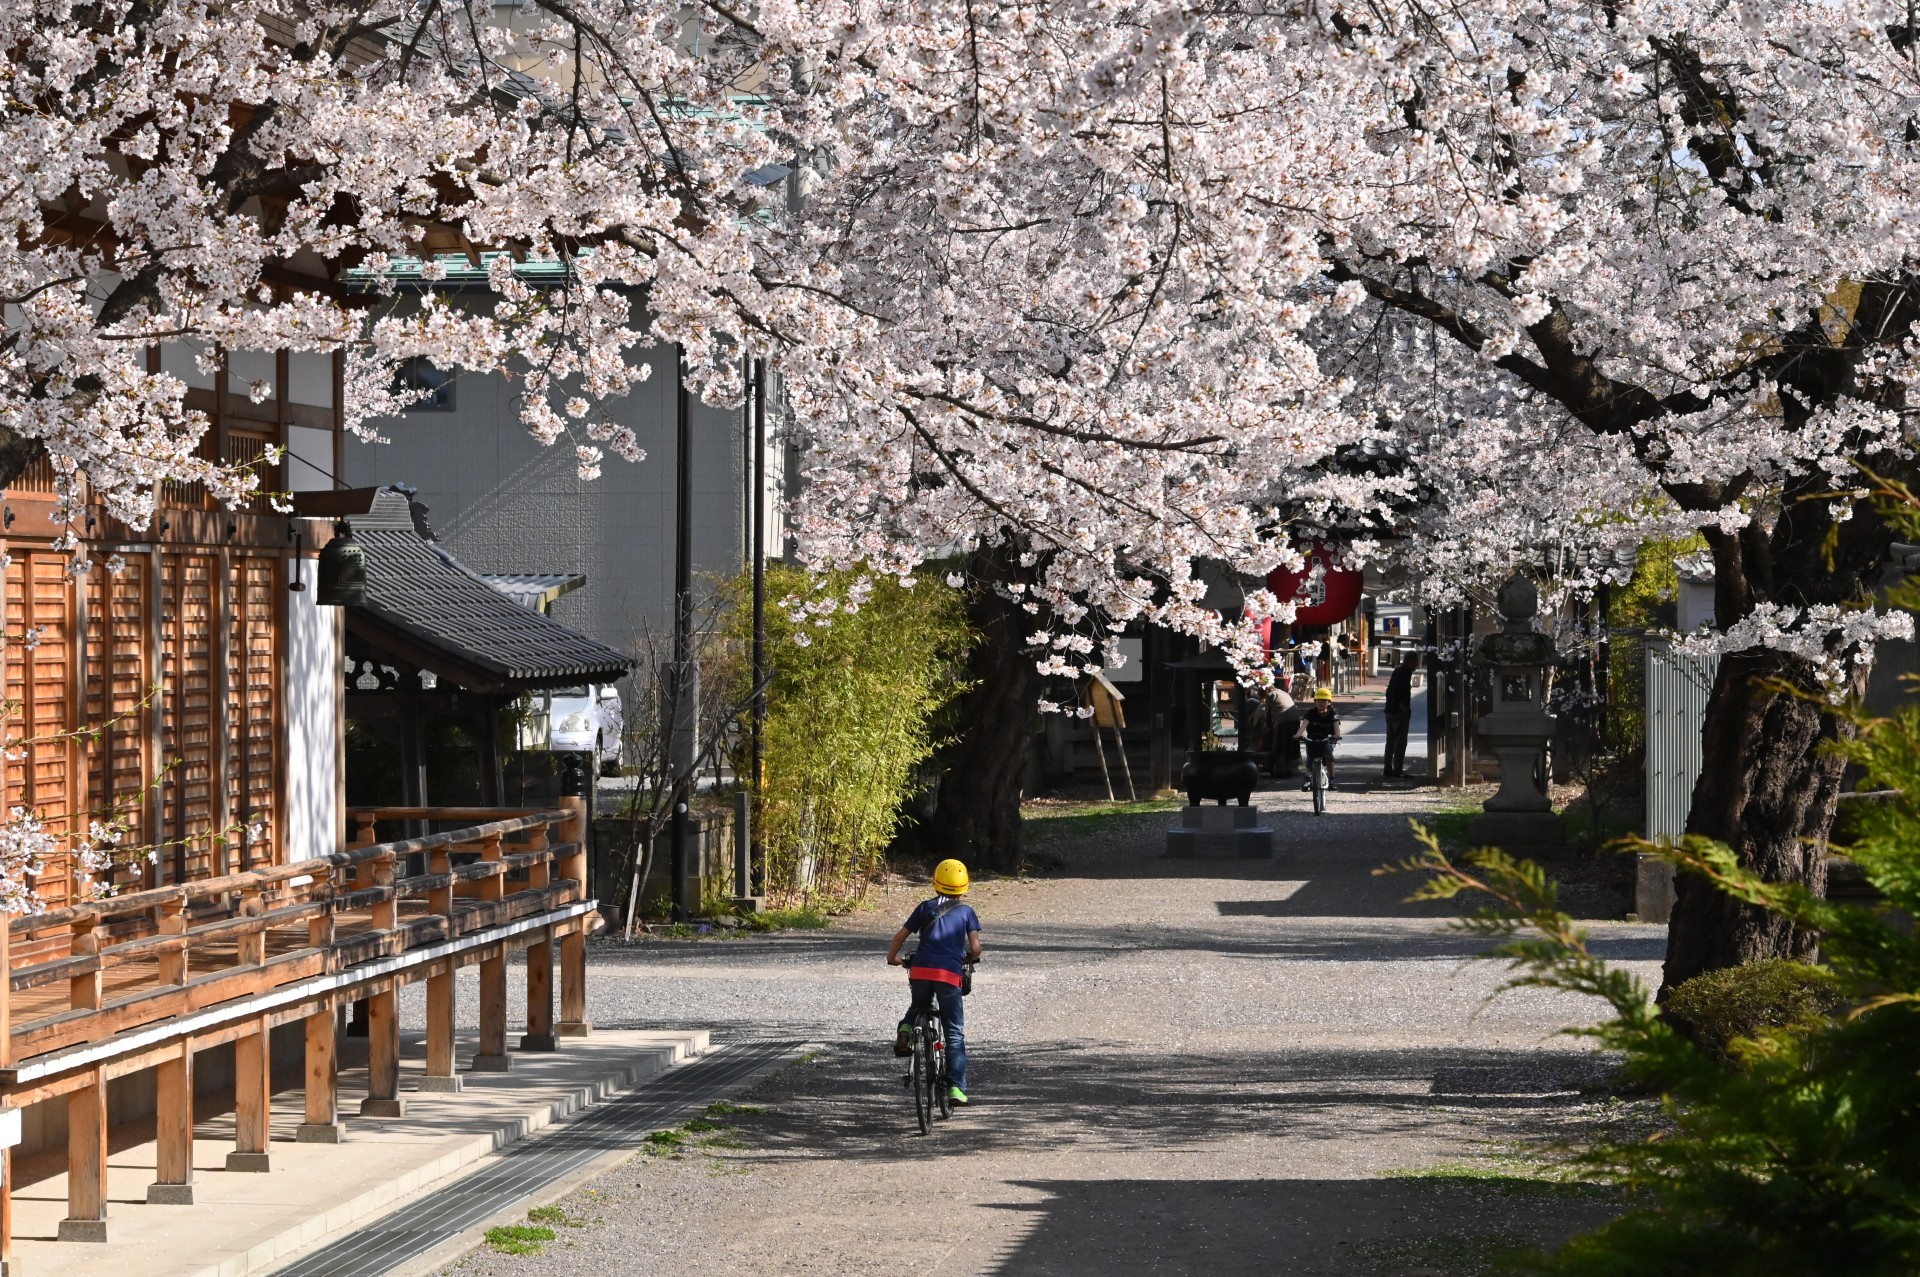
<point>1322,592</point>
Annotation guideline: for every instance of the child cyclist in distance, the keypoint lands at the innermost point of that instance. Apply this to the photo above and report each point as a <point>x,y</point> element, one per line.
<point>949,934</point>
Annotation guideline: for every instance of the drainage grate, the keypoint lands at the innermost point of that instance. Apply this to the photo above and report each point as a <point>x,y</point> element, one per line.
<point>523,1169</point>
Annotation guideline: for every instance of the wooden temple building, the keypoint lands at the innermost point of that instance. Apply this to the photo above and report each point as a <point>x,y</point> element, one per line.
<point>184,680</point>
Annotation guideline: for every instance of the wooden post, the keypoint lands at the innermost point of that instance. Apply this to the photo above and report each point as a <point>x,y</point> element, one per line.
<point>493,1057</point>
<point>573,946</point>
<point>83,991</point>
<point>13,1115</point>
<point>173,1131</point>
<point>322,1124</point>
<point>363,836</point>
<point>539,1035</point>
<point>86,1219</point>
<point>252,1101</point>
<point>251,949</point>
<point>383,1053</point>
<point>440,1075</point>
<point>174,966</point>
<point>440,1032</point>
<point>7,1268</point>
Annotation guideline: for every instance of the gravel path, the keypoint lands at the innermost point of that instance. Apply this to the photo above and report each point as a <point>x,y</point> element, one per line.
<point>1179,1067</point>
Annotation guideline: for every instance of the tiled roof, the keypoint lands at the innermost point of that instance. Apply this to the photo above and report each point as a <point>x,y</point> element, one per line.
<point>536,590</point>
<point>429,608</point>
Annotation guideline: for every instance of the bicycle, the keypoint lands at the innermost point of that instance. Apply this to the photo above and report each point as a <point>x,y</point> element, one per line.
<point>1319,756</point>
<point>928,1079</point>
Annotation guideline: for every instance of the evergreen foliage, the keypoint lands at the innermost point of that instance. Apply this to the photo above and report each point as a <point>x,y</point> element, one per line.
<point>1722,1007</point>
<point>1790,1144</point>
<point>851,716</point>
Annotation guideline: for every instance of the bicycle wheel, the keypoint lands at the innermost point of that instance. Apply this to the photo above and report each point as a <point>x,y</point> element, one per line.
<point>1319,787</point>
<point>940,1082</point>
<point>923,1069</point>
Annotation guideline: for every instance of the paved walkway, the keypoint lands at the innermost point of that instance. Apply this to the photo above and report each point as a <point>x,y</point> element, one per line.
<point>1180,1067</point>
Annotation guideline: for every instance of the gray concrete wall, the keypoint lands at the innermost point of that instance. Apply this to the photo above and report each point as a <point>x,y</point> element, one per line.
<point>501,502</point>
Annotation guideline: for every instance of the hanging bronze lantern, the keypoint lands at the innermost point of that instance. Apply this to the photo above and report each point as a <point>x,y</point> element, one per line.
<point>343,570</point>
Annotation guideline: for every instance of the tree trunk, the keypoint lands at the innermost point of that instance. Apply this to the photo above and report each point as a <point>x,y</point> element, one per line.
<point>977,818</point>
<point>1768,789</point>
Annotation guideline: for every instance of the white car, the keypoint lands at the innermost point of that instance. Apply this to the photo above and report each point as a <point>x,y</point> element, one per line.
<point>584,720</point>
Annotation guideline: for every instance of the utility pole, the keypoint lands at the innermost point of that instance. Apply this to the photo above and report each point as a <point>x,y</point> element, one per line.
<point>757,738</point>
<point>684,681</point>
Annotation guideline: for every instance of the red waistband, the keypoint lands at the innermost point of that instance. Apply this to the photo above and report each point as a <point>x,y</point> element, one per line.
<point>939,975</point>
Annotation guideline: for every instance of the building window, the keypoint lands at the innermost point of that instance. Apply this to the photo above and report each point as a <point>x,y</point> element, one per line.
<point>435,388</point>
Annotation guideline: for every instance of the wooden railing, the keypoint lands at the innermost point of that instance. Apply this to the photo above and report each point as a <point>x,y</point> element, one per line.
<point>149,978</point>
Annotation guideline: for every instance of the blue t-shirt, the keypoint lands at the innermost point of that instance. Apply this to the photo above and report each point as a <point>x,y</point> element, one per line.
<point>943,925</point>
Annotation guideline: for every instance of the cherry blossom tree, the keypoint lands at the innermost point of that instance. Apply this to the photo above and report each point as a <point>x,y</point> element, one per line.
<point>1105,289</point>
<point>1135,273</point>
<point>1679,238</point>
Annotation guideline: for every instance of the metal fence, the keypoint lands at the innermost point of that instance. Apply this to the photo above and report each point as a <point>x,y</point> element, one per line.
<point>1677,689</point>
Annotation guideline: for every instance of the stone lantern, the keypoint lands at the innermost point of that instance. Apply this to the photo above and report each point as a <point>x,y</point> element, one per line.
<point>1519,817</point>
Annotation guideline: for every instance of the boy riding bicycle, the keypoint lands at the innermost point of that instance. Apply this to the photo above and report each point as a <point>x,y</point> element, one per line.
<point>949,934</point>
<point>1321,727</point>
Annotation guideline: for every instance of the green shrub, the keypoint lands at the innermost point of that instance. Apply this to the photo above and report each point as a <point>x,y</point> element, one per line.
<point>1805,1158</point>
<point>850,713</point>
<point>1721,1008</point>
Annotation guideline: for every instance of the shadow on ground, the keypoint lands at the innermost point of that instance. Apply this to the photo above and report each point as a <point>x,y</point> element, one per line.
<point>1303,1228</point>
<point>1103,1099</point>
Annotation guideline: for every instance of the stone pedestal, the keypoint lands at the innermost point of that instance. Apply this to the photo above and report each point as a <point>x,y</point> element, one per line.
<point>1520,833</point>
<point>1220,833</point>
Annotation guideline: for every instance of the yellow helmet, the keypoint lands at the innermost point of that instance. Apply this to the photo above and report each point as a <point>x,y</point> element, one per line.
<point>1323,693</point>
<point>950,878</point>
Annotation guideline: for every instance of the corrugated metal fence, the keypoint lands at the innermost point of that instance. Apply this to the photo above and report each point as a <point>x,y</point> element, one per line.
<point>1677,690</point>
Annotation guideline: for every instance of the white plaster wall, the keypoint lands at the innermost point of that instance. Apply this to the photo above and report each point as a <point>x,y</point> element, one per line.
<point>309,459</point>
<point>313,666</point>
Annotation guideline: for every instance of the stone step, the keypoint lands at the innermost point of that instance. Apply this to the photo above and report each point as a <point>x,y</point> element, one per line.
<point>314,1194</point>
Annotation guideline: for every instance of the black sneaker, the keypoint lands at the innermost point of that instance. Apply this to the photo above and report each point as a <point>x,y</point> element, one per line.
<point>903,1040</point>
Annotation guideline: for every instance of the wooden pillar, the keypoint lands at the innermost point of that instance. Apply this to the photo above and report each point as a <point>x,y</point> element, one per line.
<point>7,1268</point>
<point>539,1035</point>
<point>11,1114</point>
<point>322,1124</point>
<point>86,1219</point>
<point>573,946</point>
<point>358,876</point>
<point>252,1101</point>
<point>173,1131</point>
<point>440,1074</point>
<point>383,1057</point>
<point>440,1034</point>
<point>493,1057</point>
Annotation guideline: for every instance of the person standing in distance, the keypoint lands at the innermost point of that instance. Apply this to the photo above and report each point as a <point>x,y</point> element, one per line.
<point>1399,709</point>
<point>949,934</point>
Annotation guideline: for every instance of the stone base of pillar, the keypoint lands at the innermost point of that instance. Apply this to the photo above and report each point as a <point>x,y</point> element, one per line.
<point>574,1028</point>
<point>256,1163</point>
<point>83,1230</point>
<point>539,1042</point>
<point>433,1085</point>
<point>1519,833</point>
<point>371,1107</point>
<point>169,1194</point>
<point>492,1064</point>
<point>320,1133</point>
